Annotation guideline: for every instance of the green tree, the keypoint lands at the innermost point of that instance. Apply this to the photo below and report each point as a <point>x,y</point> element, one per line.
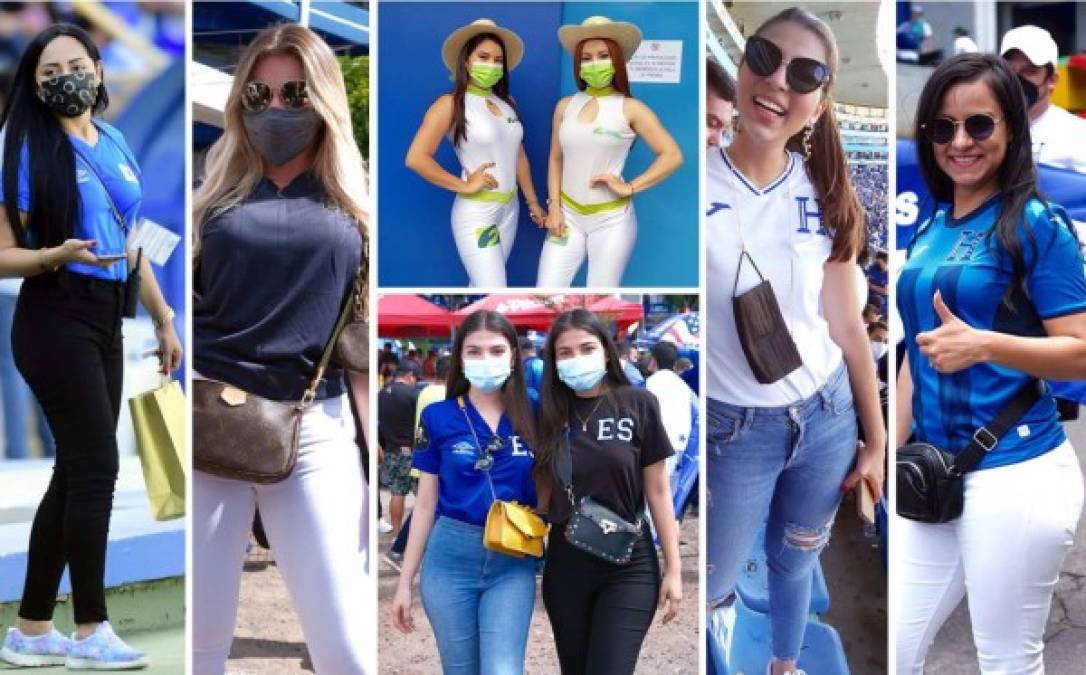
<point>356,75</point>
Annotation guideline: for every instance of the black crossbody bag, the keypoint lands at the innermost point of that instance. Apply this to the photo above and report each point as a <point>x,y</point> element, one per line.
<point>592,527</point>
<point>930,481</point>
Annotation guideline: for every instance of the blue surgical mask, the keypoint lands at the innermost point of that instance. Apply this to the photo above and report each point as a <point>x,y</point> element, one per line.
<point>488,374</point>
<point>581,373</point>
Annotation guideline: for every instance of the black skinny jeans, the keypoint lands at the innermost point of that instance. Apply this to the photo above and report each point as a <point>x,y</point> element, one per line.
<point>599,611</point>
<point>66,340</point>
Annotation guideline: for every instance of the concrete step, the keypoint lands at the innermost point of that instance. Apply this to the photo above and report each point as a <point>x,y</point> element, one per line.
<point>145,560</point>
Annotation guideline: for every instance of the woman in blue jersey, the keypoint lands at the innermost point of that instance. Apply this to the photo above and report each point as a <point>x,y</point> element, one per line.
<point>481,120</point>
<point>992,295</point>
<point>784,220</point>
<point>71,191</point>
<point>479,602</point>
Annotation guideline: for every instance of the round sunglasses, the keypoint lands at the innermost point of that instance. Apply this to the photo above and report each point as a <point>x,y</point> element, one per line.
<point>942,130</point>
<point>802,74</point>
<point>257,95</point>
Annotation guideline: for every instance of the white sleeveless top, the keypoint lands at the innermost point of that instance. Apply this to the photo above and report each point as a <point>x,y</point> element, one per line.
<point>783,231</point>
<point>490,138</point>
<point>593,148</point>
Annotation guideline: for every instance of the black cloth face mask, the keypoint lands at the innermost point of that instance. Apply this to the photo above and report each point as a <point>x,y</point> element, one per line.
<point>281,134</point>
<point>70,95</point>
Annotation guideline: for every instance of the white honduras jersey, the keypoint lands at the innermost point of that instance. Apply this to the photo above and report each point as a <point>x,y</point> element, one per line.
<point>1059,139</point>
<point>781,225</point>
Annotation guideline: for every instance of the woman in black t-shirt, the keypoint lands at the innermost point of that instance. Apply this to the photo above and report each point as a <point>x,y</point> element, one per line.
<point>600,610</point>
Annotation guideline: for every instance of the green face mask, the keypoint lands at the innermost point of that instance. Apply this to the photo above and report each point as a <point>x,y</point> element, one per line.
<point>598,74</point>
<point>486,75</point>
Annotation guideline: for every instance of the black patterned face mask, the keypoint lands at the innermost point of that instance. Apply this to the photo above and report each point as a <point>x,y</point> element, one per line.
<point>70,95</point>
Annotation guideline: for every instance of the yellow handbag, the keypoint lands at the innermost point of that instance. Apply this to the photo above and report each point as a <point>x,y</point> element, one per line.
<point>511,528</point>
<point>158,418</point>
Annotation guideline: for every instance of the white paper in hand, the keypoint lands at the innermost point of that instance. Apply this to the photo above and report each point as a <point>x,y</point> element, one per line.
<point>156,241</point>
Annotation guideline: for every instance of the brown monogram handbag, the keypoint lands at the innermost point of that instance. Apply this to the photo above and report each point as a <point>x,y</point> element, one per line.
<point>242,436</point>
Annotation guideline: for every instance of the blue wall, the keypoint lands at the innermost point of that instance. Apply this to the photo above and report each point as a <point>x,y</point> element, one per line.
<point>415,243</point>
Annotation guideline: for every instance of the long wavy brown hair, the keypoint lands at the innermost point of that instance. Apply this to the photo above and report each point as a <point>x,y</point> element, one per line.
<point>828,165</point>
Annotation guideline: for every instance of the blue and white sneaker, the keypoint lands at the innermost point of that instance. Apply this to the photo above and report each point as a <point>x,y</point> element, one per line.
<point>103,650</point>
<point>48,649</point>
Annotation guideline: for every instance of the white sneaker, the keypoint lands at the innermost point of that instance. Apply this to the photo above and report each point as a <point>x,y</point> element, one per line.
<point>384,527</point>
<point>769,670</point>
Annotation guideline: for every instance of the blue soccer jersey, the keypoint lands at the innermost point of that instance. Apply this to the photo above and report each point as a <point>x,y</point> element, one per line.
<point>964,260</point>
<point>446,447</point>
<point>107,165</point>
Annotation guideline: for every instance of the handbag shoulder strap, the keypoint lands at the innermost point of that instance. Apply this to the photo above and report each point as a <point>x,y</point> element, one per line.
<point>564,467</point>
<point>986,437</point>
<point>326,355</point>
<point>109,197</point>
<point>478,446</point>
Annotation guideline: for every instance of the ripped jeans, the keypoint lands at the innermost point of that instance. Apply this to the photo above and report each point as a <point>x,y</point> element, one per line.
<point>783,466</point>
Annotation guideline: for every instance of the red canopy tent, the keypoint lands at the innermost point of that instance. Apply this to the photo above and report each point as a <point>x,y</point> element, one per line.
<point>411,316</point>
<point>538,312</point>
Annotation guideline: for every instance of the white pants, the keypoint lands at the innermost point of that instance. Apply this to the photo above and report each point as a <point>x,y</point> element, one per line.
<point>316,523</point>
<point>484,233</point>
<point>608,240</point>
<point>1005,553</point>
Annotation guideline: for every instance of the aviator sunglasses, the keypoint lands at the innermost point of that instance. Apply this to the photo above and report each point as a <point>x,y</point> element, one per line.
<point>257,95</point>
<point>941,130</point>
<point>803,75</point>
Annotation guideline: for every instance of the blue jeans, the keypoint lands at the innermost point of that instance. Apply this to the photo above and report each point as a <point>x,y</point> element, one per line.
<point>479,602</point>
<point>782,466</point>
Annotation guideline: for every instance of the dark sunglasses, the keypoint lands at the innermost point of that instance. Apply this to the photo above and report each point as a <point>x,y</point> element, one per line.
<point>257,95</point>
<point>486,461</point>
<point>802,74</point>
<point>941,130</point>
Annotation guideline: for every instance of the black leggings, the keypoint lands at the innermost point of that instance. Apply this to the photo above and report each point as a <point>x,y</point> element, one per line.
<point>599,611</point>
<point>66,340</point>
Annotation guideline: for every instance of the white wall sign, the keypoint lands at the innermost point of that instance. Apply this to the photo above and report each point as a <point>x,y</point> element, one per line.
<point>657,61</point>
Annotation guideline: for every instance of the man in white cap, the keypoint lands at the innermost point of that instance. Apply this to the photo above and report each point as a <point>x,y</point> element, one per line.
<point>1059,138</point>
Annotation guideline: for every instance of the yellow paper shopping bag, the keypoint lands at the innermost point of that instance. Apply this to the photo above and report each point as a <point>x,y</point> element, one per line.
<point>158,417</point>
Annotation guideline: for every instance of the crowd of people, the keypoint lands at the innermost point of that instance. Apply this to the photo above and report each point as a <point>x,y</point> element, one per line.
<point>870,182</point>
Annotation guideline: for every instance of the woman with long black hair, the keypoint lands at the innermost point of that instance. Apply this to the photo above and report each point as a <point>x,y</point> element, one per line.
<point>785,231</point>
<point>474,447</point>
<point>602,439</point>
<point>481,120</point>
<point>71,190</point>
<point>992,298</point>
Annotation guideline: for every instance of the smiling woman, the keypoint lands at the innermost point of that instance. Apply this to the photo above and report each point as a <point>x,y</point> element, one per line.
<point>992,298</point>
<point>790,361</point>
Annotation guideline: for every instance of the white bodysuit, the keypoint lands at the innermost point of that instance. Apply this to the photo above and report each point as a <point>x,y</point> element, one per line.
<point>599,223</point>
<point>484,224</point>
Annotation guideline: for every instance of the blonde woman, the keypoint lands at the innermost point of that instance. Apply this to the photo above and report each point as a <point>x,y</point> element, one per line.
<point>279,236</point>
<point>590,209</point>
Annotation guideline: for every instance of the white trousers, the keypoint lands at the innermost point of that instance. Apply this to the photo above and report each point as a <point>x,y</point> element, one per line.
<point>1004,553</point>
<point>484,233</point>
<point>316,522</point>
<point>606,238</point>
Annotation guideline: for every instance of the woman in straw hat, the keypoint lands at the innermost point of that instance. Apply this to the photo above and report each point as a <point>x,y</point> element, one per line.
<point>482,122</point>
<point>592,134</point>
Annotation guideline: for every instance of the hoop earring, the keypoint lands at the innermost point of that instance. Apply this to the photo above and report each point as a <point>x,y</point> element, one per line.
<point>807,131</point>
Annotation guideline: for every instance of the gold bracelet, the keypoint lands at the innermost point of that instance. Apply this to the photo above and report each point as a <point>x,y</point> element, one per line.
<point>41,262</point>
<point>162,321</point>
